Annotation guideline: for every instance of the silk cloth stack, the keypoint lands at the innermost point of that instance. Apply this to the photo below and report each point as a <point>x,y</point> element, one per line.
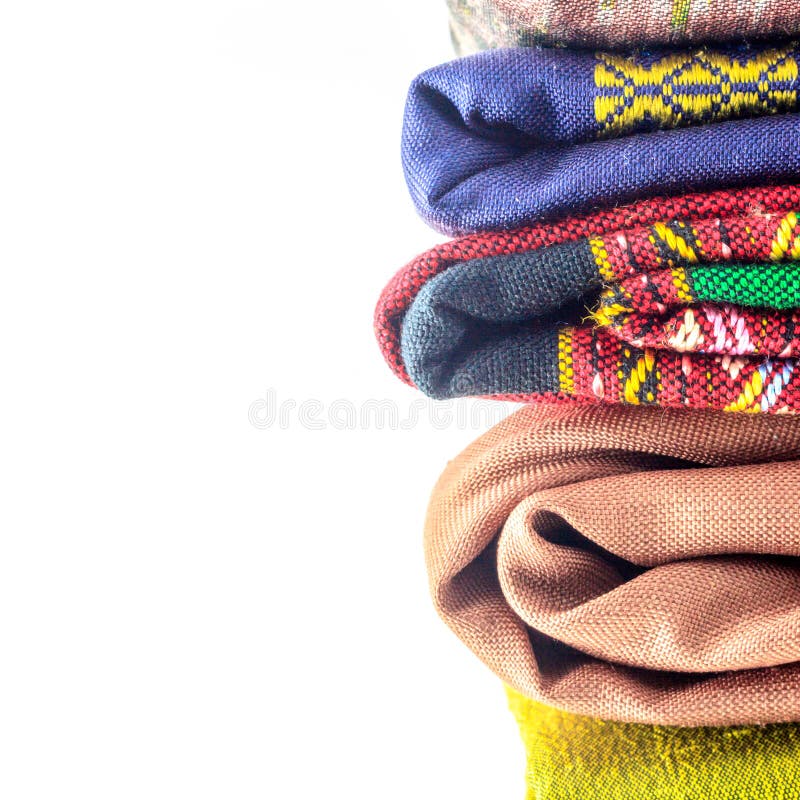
<point>623,552</point>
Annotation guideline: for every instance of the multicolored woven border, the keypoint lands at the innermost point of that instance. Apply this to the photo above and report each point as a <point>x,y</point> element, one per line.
<point>733,310</point>
<point>768,202</point>
<point>593,364</point>
<point>639,92</point>
<point>719,356</point>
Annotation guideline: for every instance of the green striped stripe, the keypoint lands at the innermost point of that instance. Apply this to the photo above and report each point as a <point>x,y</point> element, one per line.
<point>752,285</point>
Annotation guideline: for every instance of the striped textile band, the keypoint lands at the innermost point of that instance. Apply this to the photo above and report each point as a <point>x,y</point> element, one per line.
<point>736,310</point>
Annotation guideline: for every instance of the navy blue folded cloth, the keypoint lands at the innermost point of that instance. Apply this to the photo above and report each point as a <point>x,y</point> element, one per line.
<point>510,137</point>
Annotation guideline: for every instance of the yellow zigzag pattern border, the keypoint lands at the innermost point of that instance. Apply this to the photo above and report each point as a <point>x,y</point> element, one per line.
<point>682,88</point>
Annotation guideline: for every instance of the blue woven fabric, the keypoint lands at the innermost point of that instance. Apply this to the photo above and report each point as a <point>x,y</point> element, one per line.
<point>487,326</point>
<point>509,137</point>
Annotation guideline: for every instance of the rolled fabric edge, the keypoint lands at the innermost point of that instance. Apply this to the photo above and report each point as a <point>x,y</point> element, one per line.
<point>402,289</point>
<point>545,446</point>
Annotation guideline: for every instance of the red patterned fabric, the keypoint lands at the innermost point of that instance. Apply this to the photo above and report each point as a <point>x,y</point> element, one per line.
<point>602,367</point>
<point>404,287</point>
<point>710,328</point>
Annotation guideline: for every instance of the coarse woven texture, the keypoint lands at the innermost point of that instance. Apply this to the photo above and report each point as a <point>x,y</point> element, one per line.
<point>481,24</point>
<point>403,288</point>
<point>574,757</point>
<point>512,326</point>
<point>759,313</point>
<point>717,330</point>
<point>631,564</point>
<point>771,286</point>
<point>509,137</point>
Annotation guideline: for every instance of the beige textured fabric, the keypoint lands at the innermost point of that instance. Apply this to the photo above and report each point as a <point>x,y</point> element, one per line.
<point>633,564</point>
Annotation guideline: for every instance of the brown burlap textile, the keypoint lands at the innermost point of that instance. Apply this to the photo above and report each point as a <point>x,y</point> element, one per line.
<point>636,564</point>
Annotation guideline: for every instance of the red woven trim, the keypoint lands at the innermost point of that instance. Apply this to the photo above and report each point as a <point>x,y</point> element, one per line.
<point>712,329</point>
<point>406,284</point>
<point>604,368</point>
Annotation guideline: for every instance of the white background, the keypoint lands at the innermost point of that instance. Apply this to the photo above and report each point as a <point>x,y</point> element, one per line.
<point>201,202</point>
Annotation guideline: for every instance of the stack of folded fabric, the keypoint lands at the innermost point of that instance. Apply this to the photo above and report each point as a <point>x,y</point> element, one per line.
<point>628,234</point>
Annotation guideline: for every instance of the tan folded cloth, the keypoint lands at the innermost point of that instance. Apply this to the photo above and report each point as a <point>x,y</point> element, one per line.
<point>631,564</point>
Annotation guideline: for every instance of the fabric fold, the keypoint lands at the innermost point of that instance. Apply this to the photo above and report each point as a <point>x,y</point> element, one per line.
<point>509,137</point>
<point>699,313</point>
<point>640,565</point>
<point>402,290</point>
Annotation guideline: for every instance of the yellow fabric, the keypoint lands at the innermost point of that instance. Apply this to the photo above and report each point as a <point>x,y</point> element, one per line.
<point>571,757</point>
